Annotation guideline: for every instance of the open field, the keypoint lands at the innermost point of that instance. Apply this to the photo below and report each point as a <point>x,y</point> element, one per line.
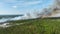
<point>34,26</point>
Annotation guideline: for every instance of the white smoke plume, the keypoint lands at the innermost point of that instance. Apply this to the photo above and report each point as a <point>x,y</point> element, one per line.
<point>26,16</point>
<point>51,11</point>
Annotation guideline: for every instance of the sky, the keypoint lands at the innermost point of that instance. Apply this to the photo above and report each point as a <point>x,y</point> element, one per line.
<point>22,6</point>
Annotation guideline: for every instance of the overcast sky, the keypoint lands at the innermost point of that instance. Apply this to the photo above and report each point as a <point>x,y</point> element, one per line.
<point>22,6</point>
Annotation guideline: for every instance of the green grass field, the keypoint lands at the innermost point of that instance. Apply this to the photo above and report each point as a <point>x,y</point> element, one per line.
<point>34,26</point>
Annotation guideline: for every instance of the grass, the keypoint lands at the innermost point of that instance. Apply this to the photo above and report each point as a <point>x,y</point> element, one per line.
<point>34,26</point>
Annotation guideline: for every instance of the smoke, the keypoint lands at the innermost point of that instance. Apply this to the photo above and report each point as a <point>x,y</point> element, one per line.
<point>10,19</point>
<point>2,20</point>
<point>15,18</point>
<point>44,13</point>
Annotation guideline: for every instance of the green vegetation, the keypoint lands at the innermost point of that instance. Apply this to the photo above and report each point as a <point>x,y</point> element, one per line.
<point>34,26</point>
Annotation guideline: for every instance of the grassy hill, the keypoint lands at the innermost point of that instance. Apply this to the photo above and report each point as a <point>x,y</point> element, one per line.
<point>34,26</point>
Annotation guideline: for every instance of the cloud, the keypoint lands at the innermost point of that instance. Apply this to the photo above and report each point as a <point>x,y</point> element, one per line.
<point>29,3</point>
<point>14,6</point>
<point>22,2</point>
<point>12,1</point>
<point>32,3</point>
<point>9,0</point>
